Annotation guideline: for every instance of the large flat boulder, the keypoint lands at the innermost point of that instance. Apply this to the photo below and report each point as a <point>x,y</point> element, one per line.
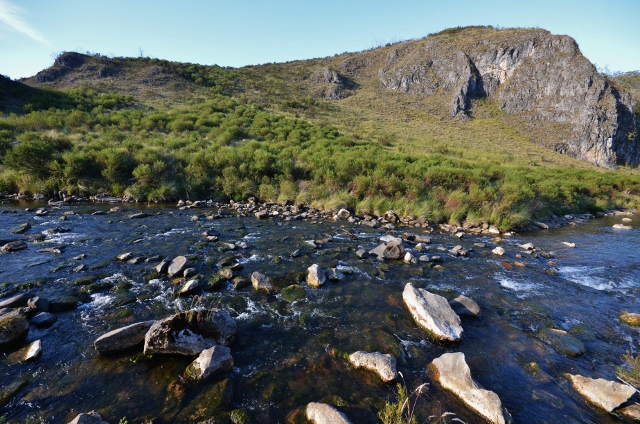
<point>122,338</point>
<point>321,413</point>
<point>433,313</point>
<point>210,362</point>
<point>605,394</point>
<point>453,373</point>
<point>191,332</point>
<point>383,364</point>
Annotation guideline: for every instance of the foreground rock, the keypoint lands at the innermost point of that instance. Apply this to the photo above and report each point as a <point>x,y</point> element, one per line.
<point>122,338</point>
<point>321,413</point>
<point>177,266</point>
<point>433,313</point>
<point>315,276</point>
<point>91,418</point>
<point>13,328</point>
<point>453,373</point>
<point>562,341</point>
<point>383,364</point>
<point>191,332</point>
<point>210,362</point>
<point>605,394</point>
<point>261,282</point>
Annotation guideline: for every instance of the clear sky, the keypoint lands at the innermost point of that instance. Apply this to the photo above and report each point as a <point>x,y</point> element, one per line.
<point>242,32</point>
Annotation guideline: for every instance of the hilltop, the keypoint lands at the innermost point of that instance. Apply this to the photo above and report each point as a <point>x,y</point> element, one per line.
<point>477,124</point>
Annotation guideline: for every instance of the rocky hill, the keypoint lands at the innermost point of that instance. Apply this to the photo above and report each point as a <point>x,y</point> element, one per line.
<point>544,89</point>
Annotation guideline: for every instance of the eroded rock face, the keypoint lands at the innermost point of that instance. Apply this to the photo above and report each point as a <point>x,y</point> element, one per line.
<point>433,313</point>
<point>191,332</point>
<point>383,364</point>
<point>608,395</point>
<point>321,413</point>
<point>541,79</point>
<point>453,373</point>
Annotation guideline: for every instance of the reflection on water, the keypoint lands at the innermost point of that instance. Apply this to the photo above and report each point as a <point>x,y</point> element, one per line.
<point>290,350</point>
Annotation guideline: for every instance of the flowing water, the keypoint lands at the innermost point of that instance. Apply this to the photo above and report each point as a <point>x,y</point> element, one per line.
<point>290,352</point>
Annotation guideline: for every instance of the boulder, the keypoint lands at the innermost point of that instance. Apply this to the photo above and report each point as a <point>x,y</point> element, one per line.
<point>315,276</point>
<point>17,301</point>
<point>321,413</point>
<point>191,332</point>
<point>38,303</point>
<point>34,351</point>
<point>14,246</point>
<point>122,338</point>
<point>188,288</point>
<point>163,266</point>
<point>262,214</point>
<point>91,418</point>
<point>383,364</point>
<point>562,341</point>
<point>261,282</point>
<point>210,362</point>
<point>433,313</point>
<point>13,328</point>
<point>43,319</point>
<point>177,266</point>
<point>189,272</point>
<point>390,250</point>
<point>462,305</point>
<point>498,251</point>
<point>334,275</point>
<point>605,394</point>
<point>453,373</point>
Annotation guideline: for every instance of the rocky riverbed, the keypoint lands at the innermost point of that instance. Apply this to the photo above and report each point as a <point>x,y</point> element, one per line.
<point>265,313</point>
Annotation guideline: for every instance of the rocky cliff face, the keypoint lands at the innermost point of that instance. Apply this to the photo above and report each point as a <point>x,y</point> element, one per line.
<point>540,78</point>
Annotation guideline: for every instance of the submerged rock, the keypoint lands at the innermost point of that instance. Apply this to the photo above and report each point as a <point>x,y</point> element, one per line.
<point>321,413</point>
<point>122,338</point>
<point>562,341</point>
<point>210,362</point>
<point>13,328</point>
<point>433,313</point>
<point>43,319</point>
<point>90,418</point>
<point>261,282</point>
<point>453,373</point>
<point>191,332</point>
<point>315,276</point>
<point>605,394</point>
<point>383,364</point>
<point>14,246</point>
<point>8,391</point>
<point>463,305</point>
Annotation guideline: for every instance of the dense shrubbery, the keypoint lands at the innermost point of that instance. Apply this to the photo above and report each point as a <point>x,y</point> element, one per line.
<point>225,148</point>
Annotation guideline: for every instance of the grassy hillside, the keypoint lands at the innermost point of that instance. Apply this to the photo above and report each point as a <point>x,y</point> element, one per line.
<point>153,130</point>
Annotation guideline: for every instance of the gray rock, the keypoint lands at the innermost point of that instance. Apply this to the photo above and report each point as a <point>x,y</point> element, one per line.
<point>14,246</point>
<point>210,362</point>
<point>391,250</point>
<point>17,301</point>
<point>334,275</point>
<point>321,413</point>
<point>189,333</point>
<point>315,276</point>
<point>453,373</point>
<point>369,223</point>
<point>34,351</point>
<point>361,253</point>
<point>189,272</point>
<point>261,282</point>
<point>262,214</point>
<point>188,288</point>
<point>163,266</point>
<point>43,319</point>
<point>13,328</point>
<point>433,313</point>
<point>177,266</point>
<point>122,338</point>
<point>91,418</point>
<point>422,239</point>
<point>462,305</point>
<point>607,395</point>
<point>383,364</point>
<point>138,215</point>
<point>498,251</point>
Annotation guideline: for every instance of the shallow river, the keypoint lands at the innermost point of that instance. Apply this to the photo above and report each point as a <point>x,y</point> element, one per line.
<point>290,352</point>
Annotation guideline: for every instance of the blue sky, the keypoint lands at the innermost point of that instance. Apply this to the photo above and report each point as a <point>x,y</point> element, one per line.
<point>242,32</point>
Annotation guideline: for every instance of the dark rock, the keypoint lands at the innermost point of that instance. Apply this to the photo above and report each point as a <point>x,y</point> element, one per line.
<point>562,341</point>
<point>122,338</point>
<point>16,301</point>
<point>22,228</point>
<point>10,390</point>
<point>14,246</point>
<point>189,272</point>
<point>13,328</point>
<point>163,266</point>
<point>210,402</point>
<point>293,292</point>
<point>189,333</point>
<point>63,303</point>
<point>91,418</point>
<point>43,319</point>
<point>38,303</point>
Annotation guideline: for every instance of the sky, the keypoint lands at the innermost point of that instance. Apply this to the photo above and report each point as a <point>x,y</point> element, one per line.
<point>249,32</point>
